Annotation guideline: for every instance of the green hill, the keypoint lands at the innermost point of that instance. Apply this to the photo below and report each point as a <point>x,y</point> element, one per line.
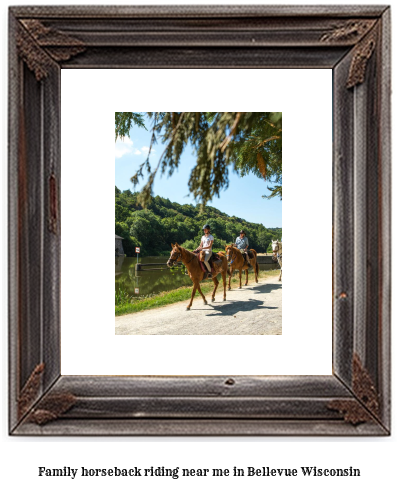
<point>164,222</point>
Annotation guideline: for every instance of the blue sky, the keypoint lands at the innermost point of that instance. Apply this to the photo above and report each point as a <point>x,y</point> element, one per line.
<point>243,197</point>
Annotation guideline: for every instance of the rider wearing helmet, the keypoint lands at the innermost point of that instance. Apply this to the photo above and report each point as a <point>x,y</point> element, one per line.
<point>242,244</point>
<point>206,245</point>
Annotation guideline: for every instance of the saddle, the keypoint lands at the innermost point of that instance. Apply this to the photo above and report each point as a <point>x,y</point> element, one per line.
<point>214,257</point>
<point>250,255</point>
<point>205,270</point>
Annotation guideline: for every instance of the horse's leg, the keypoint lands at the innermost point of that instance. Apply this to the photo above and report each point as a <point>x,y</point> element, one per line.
<point>192,296</point>
<point>246,276</point>
<point>281,272</point>
<point>224,285</point>
<point>230,275</point>
<point>240,270</point>
<point>216,283</point>
<point>200,291</point>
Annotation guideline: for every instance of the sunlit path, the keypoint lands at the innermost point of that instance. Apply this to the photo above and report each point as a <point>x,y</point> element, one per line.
<point>252,310</point>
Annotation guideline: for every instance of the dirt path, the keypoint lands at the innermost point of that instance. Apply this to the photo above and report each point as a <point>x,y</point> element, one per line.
<point>253,310</point>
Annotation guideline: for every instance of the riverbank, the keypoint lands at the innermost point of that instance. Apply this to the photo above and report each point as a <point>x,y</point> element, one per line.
<point>184,293</point>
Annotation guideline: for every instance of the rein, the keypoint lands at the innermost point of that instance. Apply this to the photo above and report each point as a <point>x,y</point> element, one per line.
<point>191,259</point>
<point>180,256</point>
<point>232,259</point>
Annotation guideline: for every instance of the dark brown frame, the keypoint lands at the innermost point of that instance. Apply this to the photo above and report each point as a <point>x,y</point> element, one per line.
<point>353,41</point>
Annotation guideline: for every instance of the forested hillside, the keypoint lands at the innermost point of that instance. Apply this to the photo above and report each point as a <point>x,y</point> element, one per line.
<point>164,222</point>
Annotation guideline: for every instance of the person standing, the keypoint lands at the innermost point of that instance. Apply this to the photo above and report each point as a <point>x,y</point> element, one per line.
<point>206,245</point>
<point>242,244</point>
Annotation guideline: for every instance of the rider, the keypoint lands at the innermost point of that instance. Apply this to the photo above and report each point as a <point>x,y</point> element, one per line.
<point>242,244</point>
<point>206,245</point>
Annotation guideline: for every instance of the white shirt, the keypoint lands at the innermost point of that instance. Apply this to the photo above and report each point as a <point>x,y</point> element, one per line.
<point>206,242</point>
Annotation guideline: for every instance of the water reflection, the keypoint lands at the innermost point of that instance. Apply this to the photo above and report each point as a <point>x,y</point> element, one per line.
<point>118,264</point>
<point>150,282</point>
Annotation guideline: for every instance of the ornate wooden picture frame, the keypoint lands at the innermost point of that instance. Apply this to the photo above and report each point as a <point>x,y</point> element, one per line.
<point>352,41</point>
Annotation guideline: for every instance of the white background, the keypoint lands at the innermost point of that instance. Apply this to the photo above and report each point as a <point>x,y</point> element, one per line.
<point>377,457</point>
<point>89,345</point>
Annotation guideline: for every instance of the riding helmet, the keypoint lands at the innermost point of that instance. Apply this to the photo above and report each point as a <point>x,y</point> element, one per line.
<point>206,226</point>
<point>243,232</point>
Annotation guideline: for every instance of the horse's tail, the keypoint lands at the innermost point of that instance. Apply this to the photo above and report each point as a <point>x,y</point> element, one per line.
<point>256,261</point>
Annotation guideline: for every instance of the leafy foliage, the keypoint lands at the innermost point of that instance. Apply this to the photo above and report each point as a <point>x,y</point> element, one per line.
<point>164,222</point>
<point>124,121</point>
<point>259,151</point>
<point>248,142</point>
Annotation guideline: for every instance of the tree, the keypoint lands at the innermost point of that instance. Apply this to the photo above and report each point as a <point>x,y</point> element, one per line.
<point>129,242</point>
<point>231,231</point>
<point>217,227</point>
<point>147,227</point>
<point>121,213</point>
<point>259,151</point>
<point>153,229</point>
<point>264,239</point>
<point>218,140</point>
<point>190,244</point>
<point>124,122</point>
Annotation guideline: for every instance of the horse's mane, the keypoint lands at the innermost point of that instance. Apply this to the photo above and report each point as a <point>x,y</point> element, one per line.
<point>232,247</point>
<point>187,251</point>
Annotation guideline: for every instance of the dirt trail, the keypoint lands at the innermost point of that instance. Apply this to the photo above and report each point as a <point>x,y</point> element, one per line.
<point>252,310</point>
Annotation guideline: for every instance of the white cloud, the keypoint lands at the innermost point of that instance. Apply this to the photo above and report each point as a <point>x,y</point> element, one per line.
<point>146,149</point>
<point>123,147</point>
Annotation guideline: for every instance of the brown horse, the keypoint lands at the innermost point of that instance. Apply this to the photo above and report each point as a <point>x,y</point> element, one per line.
<point>191,262</point>
<point>235,261</point>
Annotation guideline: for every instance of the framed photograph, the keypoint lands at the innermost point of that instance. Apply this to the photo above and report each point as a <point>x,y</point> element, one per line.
<point>206,231</point>
<point>51,51</point>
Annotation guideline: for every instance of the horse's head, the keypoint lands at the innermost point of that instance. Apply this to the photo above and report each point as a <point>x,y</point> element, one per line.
<point>276,247</point>
<point>201,255</point>
<point>175,254</point>
<point>229,251</point>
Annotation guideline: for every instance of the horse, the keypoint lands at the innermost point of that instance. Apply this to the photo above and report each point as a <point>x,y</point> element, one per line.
<point>191,262</point>
<point>236,260</point>
<point>277,248</point>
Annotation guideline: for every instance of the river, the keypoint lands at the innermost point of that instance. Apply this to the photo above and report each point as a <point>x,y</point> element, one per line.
<point>150,282</point>
<point>147,282</point>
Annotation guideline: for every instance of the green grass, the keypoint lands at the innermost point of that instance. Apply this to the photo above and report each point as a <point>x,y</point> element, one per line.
<point>122,296</point>
<point>183,294</point>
